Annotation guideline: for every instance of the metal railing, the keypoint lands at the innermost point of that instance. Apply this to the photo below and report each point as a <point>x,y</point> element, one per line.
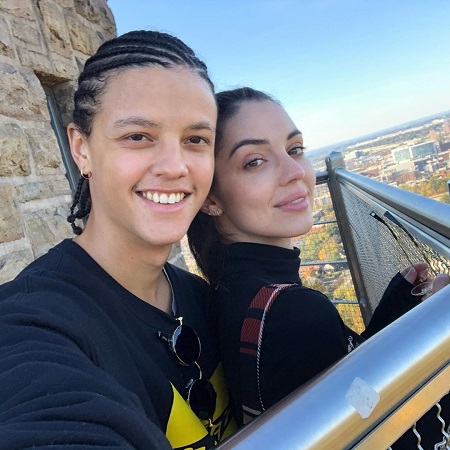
<point>339,410</point>
<point>378,392</point>
<point>415,228</point>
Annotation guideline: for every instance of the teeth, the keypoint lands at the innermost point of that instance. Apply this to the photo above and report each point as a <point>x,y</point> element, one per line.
<point>164,198</point>
<point>298,200</point>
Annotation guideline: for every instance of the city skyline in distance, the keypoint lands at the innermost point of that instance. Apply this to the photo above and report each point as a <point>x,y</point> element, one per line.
<point>339,146</point>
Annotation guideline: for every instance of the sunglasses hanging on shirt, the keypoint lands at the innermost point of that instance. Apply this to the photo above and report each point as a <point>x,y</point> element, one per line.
<point>185,344</point>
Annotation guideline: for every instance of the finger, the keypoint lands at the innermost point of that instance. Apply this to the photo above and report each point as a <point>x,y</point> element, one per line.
<point>420,274</point>
<point>422,271</point>
<point>409,274</point>
<point>440,281</point>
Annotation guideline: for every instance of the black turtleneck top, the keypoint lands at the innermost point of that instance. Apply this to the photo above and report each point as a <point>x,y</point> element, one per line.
<point>303,333</point>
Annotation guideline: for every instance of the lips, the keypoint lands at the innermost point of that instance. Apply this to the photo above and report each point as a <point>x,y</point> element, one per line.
<point>163,198</point>
<point>292,199</point>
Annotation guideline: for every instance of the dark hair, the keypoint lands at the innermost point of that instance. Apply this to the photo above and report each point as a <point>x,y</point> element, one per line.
<point>205,240</point>
<point>133,49</point>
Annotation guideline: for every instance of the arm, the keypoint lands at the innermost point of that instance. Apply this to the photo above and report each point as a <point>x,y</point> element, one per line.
<point>397,298</point>
<point>51,393</point>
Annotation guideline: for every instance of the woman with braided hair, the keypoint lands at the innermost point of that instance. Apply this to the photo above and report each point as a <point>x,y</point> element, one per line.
<point>103,343</point>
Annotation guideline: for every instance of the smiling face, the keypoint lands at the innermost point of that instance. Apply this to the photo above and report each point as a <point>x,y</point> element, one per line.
<point>150,153</point>
<point>264,184</point>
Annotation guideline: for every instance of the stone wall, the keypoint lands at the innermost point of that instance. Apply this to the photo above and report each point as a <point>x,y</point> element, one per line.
<point>42,42</point>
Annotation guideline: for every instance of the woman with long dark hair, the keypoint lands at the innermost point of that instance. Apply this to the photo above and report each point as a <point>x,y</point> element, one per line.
<point>275,333</point>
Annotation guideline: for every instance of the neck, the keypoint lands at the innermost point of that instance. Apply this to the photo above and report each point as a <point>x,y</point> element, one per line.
<point>277,242</point>
<point>137,266</point>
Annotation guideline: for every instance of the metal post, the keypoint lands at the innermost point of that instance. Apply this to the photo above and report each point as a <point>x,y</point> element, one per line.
<point>333,161</point>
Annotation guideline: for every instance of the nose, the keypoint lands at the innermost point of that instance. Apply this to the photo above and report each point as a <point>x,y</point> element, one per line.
<point>170,160</point>
<point>291,169</point>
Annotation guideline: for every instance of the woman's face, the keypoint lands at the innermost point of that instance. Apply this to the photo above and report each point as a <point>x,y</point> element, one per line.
<point>150,153</point>
<point>263,182</point>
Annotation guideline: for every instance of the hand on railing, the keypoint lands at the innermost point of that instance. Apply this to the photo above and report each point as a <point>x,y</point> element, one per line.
<point>441,280</point>
<point>417,275</point>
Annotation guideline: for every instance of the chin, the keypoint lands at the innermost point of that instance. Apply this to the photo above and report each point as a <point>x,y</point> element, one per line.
<point>301,230</point>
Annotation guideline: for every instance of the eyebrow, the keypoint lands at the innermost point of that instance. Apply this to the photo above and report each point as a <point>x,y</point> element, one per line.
<point>293,133</point>
<point>258,142</point>
<point>140,121</point>
<point>202,126</point>
<point>246,142</point>
<point>145,123</point>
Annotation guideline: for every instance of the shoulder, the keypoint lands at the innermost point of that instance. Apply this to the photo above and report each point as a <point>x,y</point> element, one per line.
<point>297,303</point>
<point>183,274</point>
<point>52,289</point>
<point>296,296</point>
<point>186,282</point>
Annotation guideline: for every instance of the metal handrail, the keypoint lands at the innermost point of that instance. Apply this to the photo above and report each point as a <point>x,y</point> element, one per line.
<point>422,210</point>
<point>320,415</point>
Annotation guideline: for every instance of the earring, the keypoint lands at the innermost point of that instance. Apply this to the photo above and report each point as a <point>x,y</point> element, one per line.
<point>85,175</point>
<point>215,212</point>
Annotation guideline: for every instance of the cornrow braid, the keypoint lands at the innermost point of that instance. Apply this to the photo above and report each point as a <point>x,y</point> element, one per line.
<point>82,201</point>
<point>131,50</point>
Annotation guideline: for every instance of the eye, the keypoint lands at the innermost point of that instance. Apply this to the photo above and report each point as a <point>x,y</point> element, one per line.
<point>297,150</point>
<point>197,140</point>
<point>254,163</point>
<point>136,137</point>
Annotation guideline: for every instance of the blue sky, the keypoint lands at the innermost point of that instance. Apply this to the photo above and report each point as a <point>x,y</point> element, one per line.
<point>341,68</point>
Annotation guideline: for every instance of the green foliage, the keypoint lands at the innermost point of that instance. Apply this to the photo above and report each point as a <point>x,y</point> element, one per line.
<point>322,243</point>
<point>436,185</point>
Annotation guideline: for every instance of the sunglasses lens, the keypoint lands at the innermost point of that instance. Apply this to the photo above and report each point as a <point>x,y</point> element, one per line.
<point>202,399</point>
<point>186,344</point>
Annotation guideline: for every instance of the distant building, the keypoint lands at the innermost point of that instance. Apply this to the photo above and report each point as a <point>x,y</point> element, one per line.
<point>405,177</point>
<point>422,150</point>
<point>418,151</point>
<point>400,155</point>
<point>433,135</point>
<point>371,172</point>
<point>445,146</point>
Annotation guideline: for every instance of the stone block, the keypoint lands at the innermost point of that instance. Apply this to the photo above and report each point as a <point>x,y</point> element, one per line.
<point>14,156</point>
<point>64,69</point>
<point>40,190</point>
<point>95,11</point>
<point>68,4</point>
<point>6,45</point>
<point>83,39</point>
<point>21,95</point>
<point>18,8</point>
<point>34,191</point>
<point>27,32</point>
<point>37,61</point>
<point>10,224</point>
<point>46,227</point>
<point>12,264</point>
<point>61,187</point>
<point>55,29</point>
<point>45,151</point>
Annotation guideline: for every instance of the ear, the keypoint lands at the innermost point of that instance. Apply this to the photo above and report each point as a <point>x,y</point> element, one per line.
<point>79,148</point>
<point>211,208</point>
